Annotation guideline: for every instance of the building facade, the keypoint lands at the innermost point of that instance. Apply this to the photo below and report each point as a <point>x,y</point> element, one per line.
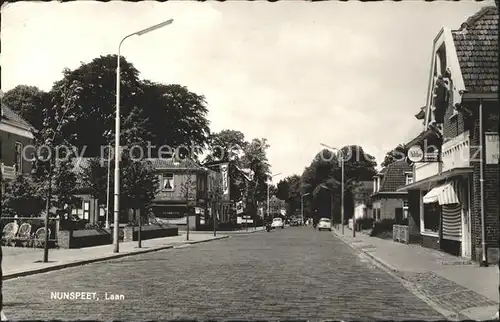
<point>183,191</point>
<point>388,202</point>
<point>454,198</point>
<point>16,137</point>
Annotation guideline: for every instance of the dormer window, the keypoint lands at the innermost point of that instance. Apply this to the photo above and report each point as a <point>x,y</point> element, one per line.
<point>408,178</point>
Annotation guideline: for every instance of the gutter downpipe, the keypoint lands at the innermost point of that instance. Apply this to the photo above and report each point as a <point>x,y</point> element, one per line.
<point>484,262</point>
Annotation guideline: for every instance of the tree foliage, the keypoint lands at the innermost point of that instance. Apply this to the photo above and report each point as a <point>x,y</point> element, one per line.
<point>176,116</point>
<point>139,184</point>
<point>94,176</point>
<point>323,177</point>
<point>22,197</point>
<point>396,154</point>
<point>28,102</point>
<point>290,190</point>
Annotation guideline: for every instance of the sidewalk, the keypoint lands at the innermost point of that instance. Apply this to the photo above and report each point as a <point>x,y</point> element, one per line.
<point>458,288</point>
<point>19,261</point>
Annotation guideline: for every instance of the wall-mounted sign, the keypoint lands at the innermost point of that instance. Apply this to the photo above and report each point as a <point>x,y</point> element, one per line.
<point>224,169</point>
<point>418,154</point>
<point>492,148</point>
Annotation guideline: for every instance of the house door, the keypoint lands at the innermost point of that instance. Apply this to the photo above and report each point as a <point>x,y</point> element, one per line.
<point>466,222</point>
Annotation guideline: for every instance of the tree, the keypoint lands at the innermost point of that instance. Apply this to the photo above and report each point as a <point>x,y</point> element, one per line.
<point>226,145</point>
<point>396,154</point>
<point>64,186</point>
<point>28,102</point>
<point>290,190</point>
<point>255,159</point>
<point>94,177</point>
<point>54,169</point>
<point>95,102</point>
<point>22,197</point>
<point>139,184</point>
<point>176,116</point>
<point>325,171</point>
<point>188,190</point>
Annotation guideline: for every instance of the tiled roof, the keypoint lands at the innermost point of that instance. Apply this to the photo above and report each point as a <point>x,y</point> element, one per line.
<point>381,173</point>
<point>14,118</point>
<point>476,44</point>
<point>169,163</point>
<point>395,176</point>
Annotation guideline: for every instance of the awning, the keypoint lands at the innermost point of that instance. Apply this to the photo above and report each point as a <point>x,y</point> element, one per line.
<point>444,195</point>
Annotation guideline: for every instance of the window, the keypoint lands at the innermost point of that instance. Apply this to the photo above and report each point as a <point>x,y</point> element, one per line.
<point>432,215</point>
<point>18,157</point>
<point>168,182</point>
<point>375,185</point>
<point>86,210</point>
<point>409,178</point>
<point>405,209</point>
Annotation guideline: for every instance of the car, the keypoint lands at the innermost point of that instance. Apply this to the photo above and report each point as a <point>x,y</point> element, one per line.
<point>324,224</point>
<point>278,223</point>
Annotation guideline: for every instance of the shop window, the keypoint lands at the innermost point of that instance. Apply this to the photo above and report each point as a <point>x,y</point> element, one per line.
<point>86,210</point>
<point>432,215</point>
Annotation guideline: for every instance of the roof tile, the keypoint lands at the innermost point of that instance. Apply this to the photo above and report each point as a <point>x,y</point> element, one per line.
<point>476,44</point>
<point>395,176</point>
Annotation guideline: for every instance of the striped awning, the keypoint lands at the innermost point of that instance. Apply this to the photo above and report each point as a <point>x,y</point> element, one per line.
<point>444,195</point>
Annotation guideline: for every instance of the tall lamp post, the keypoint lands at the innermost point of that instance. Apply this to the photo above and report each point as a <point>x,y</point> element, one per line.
<point>117,131</point>
<point>302,205</point>
<point>270,180</point>
<point>341,161</point>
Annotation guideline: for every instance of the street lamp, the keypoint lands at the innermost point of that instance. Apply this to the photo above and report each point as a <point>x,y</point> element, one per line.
<point>270,180</point>
<point>302,205</point>
<point>117,130</point>
<point>341,160</point>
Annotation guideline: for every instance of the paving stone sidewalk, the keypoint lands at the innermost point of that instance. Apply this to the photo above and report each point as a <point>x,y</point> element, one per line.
<point>450,283</point>
<point>18,261</point>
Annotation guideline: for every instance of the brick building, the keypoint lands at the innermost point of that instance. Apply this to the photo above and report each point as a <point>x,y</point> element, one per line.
<point>448,199</point>
<point>387,202</point>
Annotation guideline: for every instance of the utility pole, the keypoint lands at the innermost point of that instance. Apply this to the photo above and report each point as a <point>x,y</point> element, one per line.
<point>47,209</point>
<point>342,200</point>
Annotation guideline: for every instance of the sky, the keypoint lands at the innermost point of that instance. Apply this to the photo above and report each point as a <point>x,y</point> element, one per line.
<point>297,73</point>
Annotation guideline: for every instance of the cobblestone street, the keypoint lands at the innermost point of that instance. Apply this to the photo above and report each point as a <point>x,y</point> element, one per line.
<point>295,273</point>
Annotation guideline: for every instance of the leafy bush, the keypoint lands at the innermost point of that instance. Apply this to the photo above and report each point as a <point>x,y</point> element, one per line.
<point>365,223</point>
<point>383,226</point>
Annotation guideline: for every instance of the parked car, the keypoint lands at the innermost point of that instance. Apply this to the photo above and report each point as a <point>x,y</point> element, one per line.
<point>278,223</point>
<point>324,224</point>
